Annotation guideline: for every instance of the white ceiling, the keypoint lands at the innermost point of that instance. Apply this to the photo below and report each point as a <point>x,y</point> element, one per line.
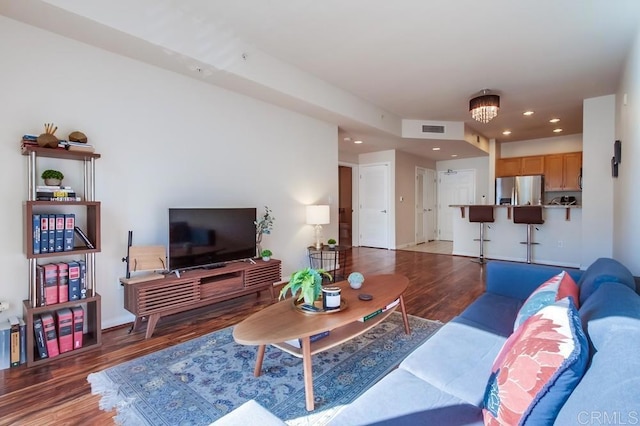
<point>410,59</point>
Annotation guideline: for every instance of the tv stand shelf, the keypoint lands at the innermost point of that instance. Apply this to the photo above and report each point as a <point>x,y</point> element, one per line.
<point>197,288</point>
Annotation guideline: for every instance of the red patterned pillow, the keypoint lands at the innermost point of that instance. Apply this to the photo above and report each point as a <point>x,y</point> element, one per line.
<point>549,292</point>
<point>537,368</point>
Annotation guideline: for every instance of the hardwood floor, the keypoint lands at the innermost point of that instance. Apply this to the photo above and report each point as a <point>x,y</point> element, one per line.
<point>58,393</point>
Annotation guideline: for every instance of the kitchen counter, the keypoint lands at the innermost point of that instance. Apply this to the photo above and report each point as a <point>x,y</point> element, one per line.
<point>559,238</point>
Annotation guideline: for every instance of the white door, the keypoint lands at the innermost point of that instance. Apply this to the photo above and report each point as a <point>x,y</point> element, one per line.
<point>425,205</point>
<point>454,187</point>
<point>374,205</point>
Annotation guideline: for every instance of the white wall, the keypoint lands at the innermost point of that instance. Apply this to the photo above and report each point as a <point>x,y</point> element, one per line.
<point>598,131</point>
<point>166,141</point>
<point>626,199</point>
<point>543,146</point>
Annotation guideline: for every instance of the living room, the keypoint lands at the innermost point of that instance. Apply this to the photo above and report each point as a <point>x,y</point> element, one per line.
<point>170,140</point>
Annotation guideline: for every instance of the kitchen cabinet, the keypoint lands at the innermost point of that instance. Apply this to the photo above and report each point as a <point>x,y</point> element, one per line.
<point>520,166</point>
<point>562,172</point>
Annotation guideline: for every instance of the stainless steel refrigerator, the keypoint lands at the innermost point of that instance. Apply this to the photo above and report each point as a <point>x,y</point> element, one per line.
<point>520,190</point>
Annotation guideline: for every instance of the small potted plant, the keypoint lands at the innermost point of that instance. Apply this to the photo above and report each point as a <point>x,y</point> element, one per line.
<point>266,255</point>
<point>331,242</point>
<point>52,177</point>
<point>308,281</point>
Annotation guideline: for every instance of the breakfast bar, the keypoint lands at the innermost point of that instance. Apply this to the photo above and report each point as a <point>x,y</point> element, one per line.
<point>557,240</point>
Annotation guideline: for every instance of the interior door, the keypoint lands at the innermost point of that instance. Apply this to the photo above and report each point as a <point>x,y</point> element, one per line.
<point>420,207</point>
<point>345,211</point>
<point>374,205</point>
<point>454,187</point>
<point>430,204</point>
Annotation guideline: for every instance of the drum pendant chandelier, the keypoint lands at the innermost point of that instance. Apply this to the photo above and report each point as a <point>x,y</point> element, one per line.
<point>484,108</point>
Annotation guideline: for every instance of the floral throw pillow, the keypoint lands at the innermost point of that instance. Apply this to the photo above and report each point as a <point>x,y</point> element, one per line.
<point>554,289</point>
<point>537,368</point>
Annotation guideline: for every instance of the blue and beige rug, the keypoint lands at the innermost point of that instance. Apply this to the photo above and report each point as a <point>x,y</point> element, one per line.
<point>197,382</point>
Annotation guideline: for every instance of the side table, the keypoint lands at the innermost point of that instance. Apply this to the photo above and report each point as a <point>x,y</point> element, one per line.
<point>331,259</point>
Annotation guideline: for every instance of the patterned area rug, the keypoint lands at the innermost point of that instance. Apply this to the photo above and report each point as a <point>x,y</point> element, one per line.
<point>197,382</point>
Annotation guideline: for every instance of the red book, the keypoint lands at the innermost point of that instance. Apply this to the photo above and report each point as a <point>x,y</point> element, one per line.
<point>63,282</point>
<point>65,329</point>
<point>50,335</point>
<point>78,326</point>
<point>50,283</point>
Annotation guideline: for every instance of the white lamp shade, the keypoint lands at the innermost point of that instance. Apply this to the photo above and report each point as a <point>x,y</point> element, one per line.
<point>318,215</point>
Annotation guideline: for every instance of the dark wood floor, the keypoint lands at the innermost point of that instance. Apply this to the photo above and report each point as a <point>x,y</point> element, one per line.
<point>58,393</point>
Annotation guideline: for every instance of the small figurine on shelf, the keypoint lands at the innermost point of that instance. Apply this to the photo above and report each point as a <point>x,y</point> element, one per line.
<point>48,139</point>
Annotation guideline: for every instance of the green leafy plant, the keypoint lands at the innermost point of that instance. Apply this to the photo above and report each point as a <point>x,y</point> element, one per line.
<point>266,253</point>
<point>308,281</point>
<point>331,241</point>
<point>52,174</point>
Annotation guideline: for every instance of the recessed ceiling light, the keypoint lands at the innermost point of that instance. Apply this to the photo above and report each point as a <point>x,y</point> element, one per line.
<point>554,120</point>
<point>454,155</point>
<point>436,149</point>
<point>506,132</point>
<point>527,113</point>
<point>346,139</point>
<point>557,130</point>
<point>358,141</point>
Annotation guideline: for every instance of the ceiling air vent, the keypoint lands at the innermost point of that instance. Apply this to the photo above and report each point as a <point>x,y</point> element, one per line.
<point>432,129</point>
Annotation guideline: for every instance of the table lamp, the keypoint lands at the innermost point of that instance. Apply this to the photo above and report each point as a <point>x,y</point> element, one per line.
<point>318,216</point>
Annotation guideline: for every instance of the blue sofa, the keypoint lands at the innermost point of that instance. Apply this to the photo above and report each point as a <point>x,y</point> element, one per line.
<point>444,380</point>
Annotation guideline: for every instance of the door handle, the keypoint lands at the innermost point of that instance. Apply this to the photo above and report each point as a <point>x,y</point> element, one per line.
<point>383,211</point>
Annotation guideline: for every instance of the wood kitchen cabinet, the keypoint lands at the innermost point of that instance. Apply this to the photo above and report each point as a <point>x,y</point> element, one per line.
<point>520,166</point>
<point>562,172</point>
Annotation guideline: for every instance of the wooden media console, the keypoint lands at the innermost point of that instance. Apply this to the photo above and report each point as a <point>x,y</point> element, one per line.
<point>197,288</point>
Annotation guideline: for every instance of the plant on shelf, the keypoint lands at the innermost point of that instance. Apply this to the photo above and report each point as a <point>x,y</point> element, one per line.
<point>52,177</point>
<point>266,254</point>
<point>331,242</point>
<point>308,281</point>
<point>263,226</point>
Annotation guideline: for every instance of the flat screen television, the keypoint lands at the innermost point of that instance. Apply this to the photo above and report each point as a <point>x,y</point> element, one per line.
<point>209,237</point>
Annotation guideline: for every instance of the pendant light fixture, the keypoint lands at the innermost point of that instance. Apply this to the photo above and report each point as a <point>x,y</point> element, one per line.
<point>484,108</point>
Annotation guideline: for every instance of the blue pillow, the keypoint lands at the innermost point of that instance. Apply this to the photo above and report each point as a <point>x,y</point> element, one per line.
<point>602,271</point>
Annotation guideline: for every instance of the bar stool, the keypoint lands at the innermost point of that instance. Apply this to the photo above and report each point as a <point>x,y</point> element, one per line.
<point>529,215</point>
<point>481,215</point>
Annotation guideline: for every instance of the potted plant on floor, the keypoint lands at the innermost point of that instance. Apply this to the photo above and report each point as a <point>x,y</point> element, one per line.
<point>331,242</point>
<point>266,255</point>
<point>52,177</point>
<point>308,281</point>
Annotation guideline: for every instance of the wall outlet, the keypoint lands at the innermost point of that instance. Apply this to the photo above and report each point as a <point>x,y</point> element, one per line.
<point>560,244</point>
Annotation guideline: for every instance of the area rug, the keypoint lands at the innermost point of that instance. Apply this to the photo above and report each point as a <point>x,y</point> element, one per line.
<point>197,382</point>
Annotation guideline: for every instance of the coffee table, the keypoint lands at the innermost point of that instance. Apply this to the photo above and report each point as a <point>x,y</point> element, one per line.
<point>282,321</point>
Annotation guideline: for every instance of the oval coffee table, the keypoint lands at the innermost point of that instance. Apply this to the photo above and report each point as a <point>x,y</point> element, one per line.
<point>282,321</point>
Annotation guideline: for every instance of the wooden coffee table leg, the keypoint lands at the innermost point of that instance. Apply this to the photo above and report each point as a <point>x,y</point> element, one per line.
<point>259,357</point>
<point>405,319</point>
<point>308,376</point>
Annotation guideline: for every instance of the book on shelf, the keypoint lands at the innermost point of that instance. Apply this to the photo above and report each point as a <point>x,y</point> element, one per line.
<point>80,148</point>
<point>379,311</point>
<point>50,283</point>
<point>78,326</point>
<point>59,235</point>
<point>52,233</point>
<point>40,341</point>
<point>44,233</point>
<point>35,220</point>
<point>84,237</point>
<point>5,345</point>
<point>63,282</point>
<point>52,188</point>
<point>64,327</point>
<point>14,341</point>
<point>74,281</point>
<point>61,199</point>
<point>50,335</point>
<point>69,231</point>
<point>83,279</point>
<point>40,286</point>
<point>23,341</point>
<point>297,343</point>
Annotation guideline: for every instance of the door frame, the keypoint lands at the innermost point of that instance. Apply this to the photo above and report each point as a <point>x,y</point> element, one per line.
<point>355,203</point>
<point>425,172</point>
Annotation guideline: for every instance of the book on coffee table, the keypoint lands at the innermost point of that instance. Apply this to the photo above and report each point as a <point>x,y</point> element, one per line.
<point>297,343</point>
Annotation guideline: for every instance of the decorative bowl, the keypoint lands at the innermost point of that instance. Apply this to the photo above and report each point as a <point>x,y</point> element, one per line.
<point>355,280</point>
